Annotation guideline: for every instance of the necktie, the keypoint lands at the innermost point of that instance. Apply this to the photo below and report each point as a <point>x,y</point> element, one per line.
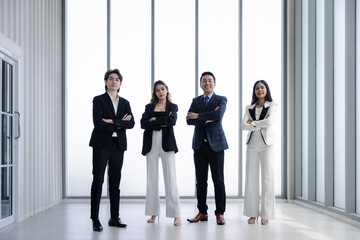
<point>206,100</point>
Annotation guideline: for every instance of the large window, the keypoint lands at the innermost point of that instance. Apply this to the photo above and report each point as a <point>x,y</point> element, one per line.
<point>174,63</point>
<point>219,53</point>
<point>173,41</point>
<point>261,59</point>
<point>86,65</point>
<point>131,54</point>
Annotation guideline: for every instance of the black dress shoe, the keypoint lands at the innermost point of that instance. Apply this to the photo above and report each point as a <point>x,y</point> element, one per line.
<point>97,225</point>
<point>116,223</point>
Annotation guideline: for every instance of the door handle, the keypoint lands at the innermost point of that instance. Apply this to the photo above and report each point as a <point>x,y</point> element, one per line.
<point>17,113</point>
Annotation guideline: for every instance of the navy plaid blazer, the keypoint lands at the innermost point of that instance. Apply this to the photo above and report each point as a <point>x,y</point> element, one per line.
<point>212,131</point>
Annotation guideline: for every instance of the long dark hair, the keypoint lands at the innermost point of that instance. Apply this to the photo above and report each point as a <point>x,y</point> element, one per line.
<point>154,98</point>
<point>268,93</point>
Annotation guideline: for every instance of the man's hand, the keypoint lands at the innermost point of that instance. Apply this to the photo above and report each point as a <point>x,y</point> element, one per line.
<point>126,117</point>
<point>191,115</point>
<point>108,120</point>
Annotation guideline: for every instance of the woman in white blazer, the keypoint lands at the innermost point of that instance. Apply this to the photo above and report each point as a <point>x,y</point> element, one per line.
<point>258,121</point>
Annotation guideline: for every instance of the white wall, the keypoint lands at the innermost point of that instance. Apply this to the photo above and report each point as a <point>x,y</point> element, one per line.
<point>358,104</point>
<point>35,26</point>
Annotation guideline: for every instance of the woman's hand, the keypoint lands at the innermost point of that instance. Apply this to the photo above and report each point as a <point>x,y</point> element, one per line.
<point>249,121</point>
<point>153,119</point>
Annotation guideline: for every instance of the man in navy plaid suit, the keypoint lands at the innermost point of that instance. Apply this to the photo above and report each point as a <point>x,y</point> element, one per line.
<point>209,142</point>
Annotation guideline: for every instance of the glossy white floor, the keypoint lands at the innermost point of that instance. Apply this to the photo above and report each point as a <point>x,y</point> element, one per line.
<point>70,220</point>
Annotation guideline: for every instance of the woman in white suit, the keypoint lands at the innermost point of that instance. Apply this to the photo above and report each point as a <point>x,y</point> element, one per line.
<point>258,120</point>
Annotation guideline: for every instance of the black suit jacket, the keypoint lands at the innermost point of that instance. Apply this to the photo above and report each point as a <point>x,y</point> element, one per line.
<point>213,131</point>
<point>168,137</point>
<point>101,136</point>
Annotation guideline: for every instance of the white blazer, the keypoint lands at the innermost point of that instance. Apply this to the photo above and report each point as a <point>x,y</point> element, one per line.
<point>264,125</point>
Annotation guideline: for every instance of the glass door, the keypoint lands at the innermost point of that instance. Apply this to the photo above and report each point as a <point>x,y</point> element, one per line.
<point>6,141</point>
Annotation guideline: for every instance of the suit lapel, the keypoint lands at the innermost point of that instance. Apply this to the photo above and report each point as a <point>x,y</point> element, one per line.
<point>262,115</point>
<point>213,98</point>
<point>167,109</point>
<point>210,104</point>
<point>201,103</point>
<point>109,102</point>
<point>119,106</point>
<point>252,113</point>
<point>152,108</point>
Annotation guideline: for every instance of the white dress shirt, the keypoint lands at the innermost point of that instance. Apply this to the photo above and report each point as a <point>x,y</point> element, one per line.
<point>115,104</point>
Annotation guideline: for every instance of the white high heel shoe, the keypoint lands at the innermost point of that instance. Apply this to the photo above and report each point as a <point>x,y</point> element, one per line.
<point>152,219</point>
<point>177,221</point>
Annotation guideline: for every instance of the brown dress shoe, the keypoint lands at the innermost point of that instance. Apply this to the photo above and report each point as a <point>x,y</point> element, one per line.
<point>199,217</point>
<point>220,220</point>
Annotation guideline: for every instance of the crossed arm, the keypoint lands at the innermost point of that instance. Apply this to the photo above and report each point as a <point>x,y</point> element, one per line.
<point>194,117</point>
<point>153,119</point>
<point>154,123</point>
<point>251,125</point>
<point>111,125</point>
<point>126,117</point>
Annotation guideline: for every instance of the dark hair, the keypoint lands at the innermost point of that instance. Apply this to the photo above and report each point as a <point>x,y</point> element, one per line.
<point>110,71</point>
<point>268,93</point>
<point>154,98</point>
<point>207,73</point>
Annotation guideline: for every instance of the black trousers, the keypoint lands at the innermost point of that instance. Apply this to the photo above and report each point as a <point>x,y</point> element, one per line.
<point>204,157</point>
<point>101,157</point>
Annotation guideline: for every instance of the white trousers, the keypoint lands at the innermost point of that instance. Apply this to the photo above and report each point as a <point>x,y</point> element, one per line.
<point>152,206</point>
<point>258,154</point>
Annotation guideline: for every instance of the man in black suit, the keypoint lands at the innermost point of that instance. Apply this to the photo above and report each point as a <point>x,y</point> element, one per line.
<point>111,116</point>
<point>209,142</point>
